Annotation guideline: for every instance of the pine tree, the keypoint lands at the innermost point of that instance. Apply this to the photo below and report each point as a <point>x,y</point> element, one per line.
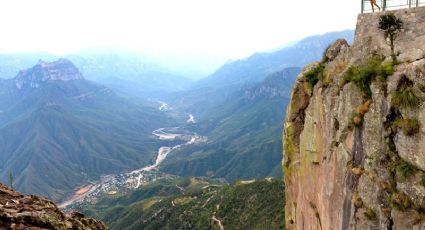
<point>391,25</point>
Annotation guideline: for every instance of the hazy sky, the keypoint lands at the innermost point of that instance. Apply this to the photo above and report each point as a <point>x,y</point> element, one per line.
<point>221,28</point>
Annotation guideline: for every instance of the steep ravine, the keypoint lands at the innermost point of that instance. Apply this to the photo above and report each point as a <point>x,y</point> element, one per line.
<point>354,137</point>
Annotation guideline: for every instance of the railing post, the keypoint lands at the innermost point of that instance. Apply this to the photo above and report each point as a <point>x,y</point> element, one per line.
<point>362,5</point>
<point>410,3</point>
<point>384,5</point>
<point>417,3</point>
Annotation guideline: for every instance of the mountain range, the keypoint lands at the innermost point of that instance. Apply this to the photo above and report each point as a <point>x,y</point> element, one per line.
<point>58,130</point>
<point>256,67</point>
<point>243,132</point>
<point>134,72</point>
<point>240,108</point>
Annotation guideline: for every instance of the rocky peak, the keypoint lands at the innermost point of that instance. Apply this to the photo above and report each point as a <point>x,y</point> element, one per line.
<point>18,211</point>
<point>60,70</point>
<point>354,137</point>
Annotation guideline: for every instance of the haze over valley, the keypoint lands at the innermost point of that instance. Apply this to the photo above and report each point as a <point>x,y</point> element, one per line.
<point>67,123</point>
<point>151,117</point>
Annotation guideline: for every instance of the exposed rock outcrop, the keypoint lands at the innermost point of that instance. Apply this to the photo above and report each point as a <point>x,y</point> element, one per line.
<point>60,70</point>
<point>354,138</point>
<point>18,211</point>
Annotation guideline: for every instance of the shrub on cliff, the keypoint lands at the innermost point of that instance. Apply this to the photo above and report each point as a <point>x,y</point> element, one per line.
<point>363,75</point>
<point>313,76</point>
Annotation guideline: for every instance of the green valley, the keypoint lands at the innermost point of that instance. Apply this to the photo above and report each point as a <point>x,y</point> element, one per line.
<point>58,133</point>
<point>194,203</point>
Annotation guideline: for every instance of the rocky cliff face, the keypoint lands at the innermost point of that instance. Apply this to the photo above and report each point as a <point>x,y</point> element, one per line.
<point>60,70</point>
<point>18,211</point>
<point>354,137</point>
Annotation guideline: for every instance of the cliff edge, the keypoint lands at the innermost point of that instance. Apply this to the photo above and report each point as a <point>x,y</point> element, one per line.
<point>354,136</point>
<point>18,211</point>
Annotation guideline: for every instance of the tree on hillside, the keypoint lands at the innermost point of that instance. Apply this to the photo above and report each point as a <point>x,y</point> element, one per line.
<point>391,25</point>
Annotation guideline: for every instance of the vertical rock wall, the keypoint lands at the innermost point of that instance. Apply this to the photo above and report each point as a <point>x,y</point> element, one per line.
<point>353,161</point>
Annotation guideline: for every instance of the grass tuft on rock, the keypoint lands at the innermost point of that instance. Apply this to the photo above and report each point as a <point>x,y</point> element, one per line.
<point>404,99</point>
<point>405,169</point>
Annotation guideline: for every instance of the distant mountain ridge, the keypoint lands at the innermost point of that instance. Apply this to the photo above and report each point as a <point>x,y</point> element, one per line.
<point>140,74</point>
<point>259,65</point>
<point>219,87</point>
<point>276,85</point>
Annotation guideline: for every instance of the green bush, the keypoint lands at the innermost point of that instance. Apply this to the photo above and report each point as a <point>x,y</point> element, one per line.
<point>404,98</point>
<point>408,126</point>
<point>386,69</point>
<point>363,75</point>
<point>314,75</point>
<point>404,169</point>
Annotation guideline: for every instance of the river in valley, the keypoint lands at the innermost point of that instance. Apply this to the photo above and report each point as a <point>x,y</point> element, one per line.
<point>113,184</point>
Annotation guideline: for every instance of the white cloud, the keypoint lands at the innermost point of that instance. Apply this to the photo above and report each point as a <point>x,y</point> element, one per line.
<point>226,28</point>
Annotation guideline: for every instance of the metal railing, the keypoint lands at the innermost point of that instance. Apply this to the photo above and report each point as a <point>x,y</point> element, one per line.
<point>390,4</point>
